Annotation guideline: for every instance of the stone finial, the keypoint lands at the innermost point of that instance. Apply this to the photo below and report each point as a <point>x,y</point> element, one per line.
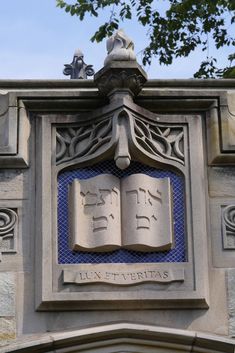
<point>120,48</point>
<point>121,72</point>
<point>78,69</point>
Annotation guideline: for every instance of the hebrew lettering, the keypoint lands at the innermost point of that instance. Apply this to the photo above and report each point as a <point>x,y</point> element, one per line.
<point>150,226</point>
<point>107,213</point>
<point>101,223</point>
<point>95,213</point>
<point>144,222</point>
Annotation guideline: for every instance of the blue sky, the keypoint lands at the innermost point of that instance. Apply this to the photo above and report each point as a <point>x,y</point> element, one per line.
<point>37,39</point>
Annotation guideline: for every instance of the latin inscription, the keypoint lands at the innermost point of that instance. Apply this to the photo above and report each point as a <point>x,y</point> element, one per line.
<point>123,277</point>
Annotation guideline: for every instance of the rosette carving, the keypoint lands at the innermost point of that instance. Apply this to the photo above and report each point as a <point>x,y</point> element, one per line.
<point>161,141</point>
<point>8,221</point>
<point>82,141</point>
<point>228,218</point>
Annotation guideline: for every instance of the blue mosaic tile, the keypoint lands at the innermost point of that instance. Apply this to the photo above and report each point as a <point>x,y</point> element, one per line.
<point>67,256</point>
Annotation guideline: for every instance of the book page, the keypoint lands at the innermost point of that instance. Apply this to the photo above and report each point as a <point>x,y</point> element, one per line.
<point>94,213</point>
<point>146,213</point>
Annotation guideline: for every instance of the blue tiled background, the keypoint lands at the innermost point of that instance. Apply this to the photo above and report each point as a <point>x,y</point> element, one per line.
<point>67,256</point>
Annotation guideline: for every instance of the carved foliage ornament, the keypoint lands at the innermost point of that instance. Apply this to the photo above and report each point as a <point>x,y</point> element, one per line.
<point>8,220</point>
<point>159,140</point>
<point>162,142</point>
<point>82,141</point>
<point>121,80</point>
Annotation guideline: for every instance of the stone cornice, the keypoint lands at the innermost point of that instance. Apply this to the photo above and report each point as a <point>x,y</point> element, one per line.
<point>151,83</point>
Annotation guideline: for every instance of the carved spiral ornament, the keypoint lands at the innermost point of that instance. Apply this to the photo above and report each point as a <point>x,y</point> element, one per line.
<point>89,70</point>
<point>8,220</point>
<point>229,217</point>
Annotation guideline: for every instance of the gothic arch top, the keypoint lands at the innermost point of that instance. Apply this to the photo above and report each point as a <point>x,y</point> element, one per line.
<point>124,337</point>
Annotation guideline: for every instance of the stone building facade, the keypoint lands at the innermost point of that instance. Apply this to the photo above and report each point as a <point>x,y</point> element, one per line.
<point>117,212</point>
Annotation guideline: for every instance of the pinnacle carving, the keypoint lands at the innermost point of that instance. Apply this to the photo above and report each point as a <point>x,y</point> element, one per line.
<point>121,72</point>
<point>120,48</point>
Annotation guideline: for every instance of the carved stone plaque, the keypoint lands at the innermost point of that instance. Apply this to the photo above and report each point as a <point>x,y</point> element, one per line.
<point>105,238</point>
<point>134,212</point>
<point>122,275</point>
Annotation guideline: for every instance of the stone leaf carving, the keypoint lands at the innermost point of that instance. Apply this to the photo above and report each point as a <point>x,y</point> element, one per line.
<point>8,221</point>
<point>161,141</point>
<point>228,227</point>
<point>120,48</point>
<point>121,80</point>
<point>82,141</point>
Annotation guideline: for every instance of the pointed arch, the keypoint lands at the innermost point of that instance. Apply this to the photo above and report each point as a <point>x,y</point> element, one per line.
<point>122,338</point>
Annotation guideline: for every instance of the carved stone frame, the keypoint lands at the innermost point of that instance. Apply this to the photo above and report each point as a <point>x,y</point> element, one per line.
<point>51,294</point>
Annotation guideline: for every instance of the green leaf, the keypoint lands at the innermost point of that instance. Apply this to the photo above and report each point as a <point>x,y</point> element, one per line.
<point>176,32</point>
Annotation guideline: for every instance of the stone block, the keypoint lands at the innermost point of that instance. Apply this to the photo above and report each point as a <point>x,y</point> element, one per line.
<point>7,294</point>
<point>231,300</point>
<point>14,131</point>
<point>7,330</point>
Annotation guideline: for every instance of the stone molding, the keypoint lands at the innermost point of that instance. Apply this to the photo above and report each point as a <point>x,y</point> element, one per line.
<point>15,104</point>
<point>14,132</point>
<point>120,336</point>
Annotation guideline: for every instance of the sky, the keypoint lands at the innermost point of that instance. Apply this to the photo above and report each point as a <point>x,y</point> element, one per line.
<point>37,39</point>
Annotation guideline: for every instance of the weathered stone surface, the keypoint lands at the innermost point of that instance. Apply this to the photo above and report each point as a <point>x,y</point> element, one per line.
<point>222,182</point>
<point>7,330</point>
<point>231,300</point>
<point>12,184</point>
<point>123,337</point>
<point>7,294</point>
<point>173,98</point>
<point>231,102</point>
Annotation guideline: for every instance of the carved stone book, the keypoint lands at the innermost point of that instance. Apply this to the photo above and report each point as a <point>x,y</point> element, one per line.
<point>107,213</point>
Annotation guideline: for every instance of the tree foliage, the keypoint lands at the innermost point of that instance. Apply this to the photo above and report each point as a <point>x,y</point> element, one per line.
<point>175,32</point>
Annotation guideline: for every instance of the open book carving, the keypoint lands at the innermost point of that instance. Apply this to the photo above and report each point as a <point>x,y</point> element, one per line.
<point>107,213</point>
